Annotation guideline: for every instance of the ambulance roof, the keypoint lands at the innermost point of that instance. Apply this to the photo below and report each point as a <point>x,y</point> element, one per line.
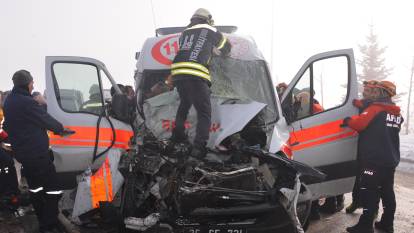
<point>158,52</point>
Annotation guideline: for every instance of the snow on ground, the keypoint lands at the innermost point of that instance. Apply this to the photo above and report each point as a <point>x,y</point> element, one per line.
<point>407,153</point>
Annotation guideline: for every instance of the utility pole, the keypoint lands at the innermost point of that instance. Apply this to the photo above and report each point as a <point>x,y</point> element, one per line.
<point>272,37</point>
<point>153,15</point>
<point>407,123</point>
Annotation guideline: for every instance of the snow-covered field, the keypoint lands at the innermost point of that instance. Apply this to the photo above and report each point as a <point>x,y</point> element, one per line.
<point>407,153</point>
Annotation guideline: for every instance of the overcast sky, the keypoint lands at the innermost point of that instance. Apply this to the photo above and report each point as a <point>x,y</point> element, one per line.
<point>112,31</point>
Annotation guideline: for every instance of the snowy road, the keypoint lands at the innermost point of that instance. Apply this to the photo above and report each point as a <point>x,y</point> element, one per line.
<point>404,219</point>
<point>404,188</point>
<point>407,153</point>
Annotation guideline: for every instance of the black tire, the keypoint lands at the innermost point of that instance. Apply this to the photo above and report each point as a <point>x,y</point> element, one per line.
<point>304,215</point>
<point>306,205</point>
<point>128,196</point>
<point>127,201</point>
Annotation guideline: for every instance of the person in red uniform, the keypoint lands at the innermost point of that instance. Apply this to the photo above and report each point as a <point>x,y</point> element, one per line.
<point>379,154</point>
<point>361,104</point>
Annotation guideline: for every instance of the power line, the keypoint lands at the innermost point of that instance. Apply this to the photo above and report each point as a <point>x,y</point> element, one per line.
<point>153,15</point>
<point>272,37</point>
<point>407,124</point>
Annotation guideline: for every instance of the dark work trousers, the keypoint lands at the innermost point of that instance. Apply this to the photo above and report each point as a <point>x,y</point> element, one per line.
<point>193,92</point>
<point>8,175</point>
<point>377,182</point>
<point>355,191</point>
<point>42,180</point>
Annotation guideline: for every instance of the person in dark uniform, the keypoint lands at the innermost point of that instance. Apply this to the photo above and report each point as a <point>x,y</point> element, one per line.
<point>94,104</point>
<point>8,175</point>
<point>27,123</point>
<point>9,190</point>
<point>379,154</point>
<point>191,76</point>
<point>361,104</point>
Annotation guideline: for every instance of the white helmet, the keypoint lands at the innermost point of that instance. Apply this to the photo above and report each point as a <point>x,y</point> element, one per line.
<point>202,13</point>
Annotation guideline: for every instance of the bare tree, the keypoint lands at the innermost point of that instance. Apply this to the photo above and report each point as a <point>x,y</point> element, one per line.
<point>410,89</point>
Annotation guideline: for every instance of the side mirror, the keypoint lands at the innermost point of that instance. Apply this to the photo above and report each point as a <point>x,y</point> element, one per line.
<point>120,107</point>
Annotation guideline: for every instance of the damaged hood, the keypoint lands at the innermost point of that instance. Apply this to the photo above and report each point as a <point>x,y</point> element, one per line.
<point>306,173</point>
<point>228,116</point>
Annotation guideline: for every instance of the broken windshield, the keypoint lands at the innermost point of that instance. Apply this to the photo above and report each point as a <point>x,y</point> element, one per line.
<point>244,80</point>
<point>238,86</point>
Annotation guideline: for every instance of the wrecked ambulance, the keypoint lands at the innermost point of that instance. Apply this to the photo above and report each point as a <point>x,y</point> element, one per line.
<point>254,178</point>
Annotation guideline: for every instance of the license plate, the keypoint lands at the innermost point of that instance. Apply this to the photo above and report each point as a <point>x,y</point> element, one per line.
<point>215,230</point>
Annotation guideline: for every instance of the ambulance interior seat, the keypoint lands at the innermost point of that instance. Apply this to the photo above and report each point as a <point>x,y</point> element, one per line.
<point>70,99</point>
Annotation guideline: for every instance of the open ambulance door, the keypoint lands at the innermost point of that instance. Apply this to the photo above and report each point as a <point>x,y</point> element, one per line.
<point>77,92</point>
<point>314,105</point>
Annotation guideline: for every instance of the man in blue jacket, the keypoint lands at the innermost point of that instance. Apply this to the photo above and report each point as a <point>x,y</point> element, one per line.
<point>27,123</point>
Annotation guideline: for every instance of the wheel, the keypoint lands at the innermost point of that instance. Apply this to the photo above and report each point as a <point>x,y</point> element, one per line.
<point>128,196</point>
<point>303,209</point>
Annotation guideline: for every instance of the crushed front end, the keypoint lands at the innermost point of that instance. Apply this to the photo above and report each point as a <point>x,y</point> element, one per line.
<point>242,190</point>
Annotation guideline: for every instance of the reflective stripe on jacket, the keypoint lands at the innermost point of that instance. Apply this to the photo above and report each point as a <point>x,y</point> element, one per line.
<point>196,49</point>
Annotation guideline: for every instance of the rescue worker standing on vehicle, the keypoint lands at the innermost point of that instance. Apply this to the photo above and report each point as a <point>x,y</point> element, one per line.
<point>379,154</point>
<point>26,123</point>
<point>191,76</point>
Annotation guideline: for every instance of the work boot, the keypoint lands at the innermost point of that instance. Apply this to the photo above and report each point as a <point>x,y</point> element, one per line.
<point>315,213</point>
<point>340,202</point>
<point>52,230</point>
<point>383,227</point>
<point>198,152</point>
<point>351,208</point>
<point>169,147</point>
<point>173,143</point>
<point>360,228</point>
<point>329,207</point>
<point>55,228</point>
<point>314,216</point>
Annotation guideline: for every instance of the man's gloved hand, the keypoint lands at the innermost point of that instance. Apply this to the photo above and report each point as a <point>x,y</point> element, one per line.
<point>3,135</point>
<point>66,132</point>
<point>357,103</point>
<point>345,122</point>
<point>361,103</point>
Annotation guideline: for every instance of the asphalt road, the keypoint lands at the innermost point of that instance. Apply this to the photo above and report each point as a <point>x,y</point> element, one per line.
<point>336,223</point>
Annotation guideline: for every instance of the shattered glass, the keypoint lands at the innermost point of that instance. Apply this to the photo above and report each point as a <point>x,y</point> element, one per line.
<point>245,84</point>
